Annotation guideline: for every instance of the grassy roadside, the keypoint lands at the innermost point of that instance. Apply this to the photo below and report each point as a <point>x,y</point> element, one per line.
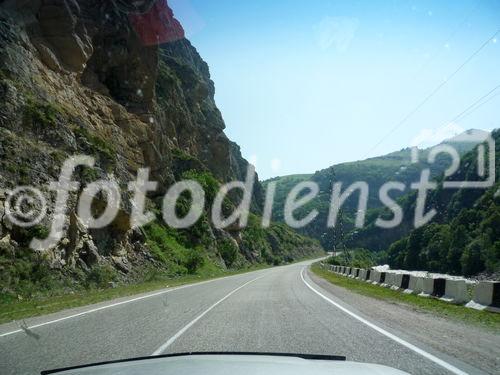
<point>483,318</point>
<point>45,305</point>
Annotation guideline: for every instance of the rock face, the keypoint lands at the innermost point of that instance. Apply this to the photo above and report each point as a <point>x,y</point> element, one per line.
<point>83,77</point>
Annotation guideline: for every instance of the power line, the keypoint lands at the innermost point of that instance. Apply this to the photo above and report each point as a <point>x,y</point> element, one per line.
<point>433,92</point>
<point>463,115</point>
<point>464,112</point>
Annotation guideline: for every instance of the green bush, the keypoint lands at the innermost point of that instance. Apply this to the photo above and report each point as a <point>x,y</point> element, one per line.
<point>359,258</point>
<point>99,276</point>
<point>207,181</point>
<point>228,251</point>
<point>165,247</point>
<point>26,273</point>
<point>194,260</point>
<point>40,115</point>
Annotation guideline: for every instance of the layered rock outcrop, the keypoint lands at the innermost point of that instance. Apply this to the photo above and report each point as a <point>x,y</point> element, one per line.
<point>83,77</point>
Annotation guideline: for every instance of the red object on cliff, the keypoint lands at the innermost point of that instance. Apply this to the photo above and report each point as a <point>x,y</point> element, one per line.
<point>157,25</point>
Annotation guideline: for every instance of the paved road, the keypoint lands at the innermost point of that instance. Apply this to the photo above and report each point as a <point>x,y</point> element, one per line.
<point>274,310</point>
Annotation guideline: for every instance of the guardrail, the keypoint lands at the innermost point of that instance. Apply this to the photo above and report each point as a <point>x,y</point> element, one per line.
<point>482,296</point>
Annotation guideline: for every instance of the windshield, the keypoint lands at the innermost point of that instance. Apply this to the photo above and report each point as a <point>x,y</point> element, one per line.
<point>316,180</point>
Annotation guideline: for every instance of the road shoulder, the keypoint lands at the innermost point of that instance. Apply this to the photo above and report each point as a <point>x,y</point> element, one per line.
<point>472,344</point>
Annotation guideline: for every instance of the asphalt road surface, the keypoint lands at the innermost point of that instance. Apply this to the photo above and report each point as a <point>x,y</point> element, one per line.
<point>274,310</point>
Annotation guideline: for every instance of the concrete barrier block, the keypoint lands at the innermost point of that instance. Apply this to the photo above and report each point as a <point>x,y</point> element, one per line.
<point>376,276</point>
<point>401,280</point>
<point>395,280</point>
<point>354,272</point>
<point>456,291</point>
<point>487,293</point>
<point>433,287</point>
<point>415,284</point>
<point>398,280</point>
<point>347,271</point>
<point>389,277</point>
<point>362,274</point>
<point>427,286</point>
<point>405,281</point>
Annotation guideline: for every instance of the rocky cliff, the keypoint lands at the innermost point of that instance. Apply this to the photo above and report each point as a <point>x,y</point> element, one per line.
<point>117,80</point>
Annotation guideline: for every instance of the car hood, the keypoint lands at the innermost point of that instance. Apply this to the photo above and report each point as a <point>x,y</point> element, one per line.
<point>222,364</point>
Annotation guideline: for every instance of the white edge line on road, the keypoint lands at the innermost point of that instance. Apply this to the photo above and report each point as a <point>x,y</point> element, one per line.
<point>417,350</point>
<point>115,304</point>
<point>171,340</point>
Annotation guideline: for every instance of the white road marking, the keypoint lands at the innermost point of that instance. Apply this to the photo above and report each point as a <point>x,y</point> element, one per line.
<point>417,350</point>
<point>171,340</point>
<point>113,305</point>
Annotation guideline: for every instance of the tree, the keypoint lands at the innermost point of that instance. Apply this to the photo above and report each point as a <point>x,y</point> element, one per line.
<point>397,253</point>
<point>412,259</point>
<point>459,240</point>
<point>471,260</point>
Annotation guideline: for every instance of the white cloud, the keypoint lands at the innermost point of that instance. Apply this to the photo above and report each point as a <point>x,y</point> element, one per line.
<point>275,165</point>
<point>430,137</point>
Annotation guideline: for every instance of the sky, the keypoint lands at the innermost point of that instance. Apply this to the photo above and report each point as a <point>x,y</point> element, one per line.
<point>303,85</point>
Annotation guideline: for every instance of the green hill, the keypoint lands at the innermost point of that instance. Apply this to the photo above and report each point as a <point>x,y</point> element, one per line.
<point>396,166</point>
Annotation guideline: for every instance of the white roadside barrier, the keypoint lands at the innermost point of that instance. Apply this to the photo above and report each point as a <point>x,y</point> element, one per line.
<point>434,287</point>
<point>398,281</point>
<point>486,296</point>
<point>354,273</point>
<point>377,277</point>
<point>374,276</point>
<point>427,287</point>
<point>389,280</point>
<point>362,274</point>
<point>368,274</point>
<point>456,291</point>
<point>416,284</point>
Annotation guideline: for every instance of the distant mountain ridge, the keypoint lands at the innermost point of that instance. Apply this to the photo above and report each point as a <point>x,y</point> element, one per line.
<point>376,171</point>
